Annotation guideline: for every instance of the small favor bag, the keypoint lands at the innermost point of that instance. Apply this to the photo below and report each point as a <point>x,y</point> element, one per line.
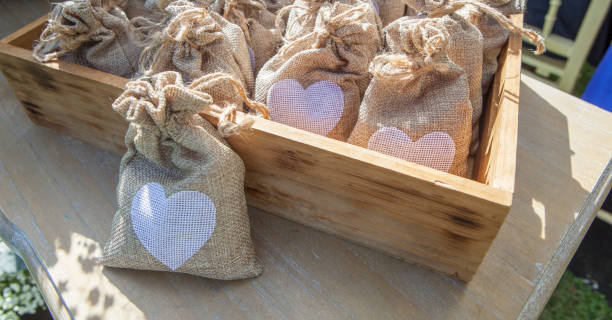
<point>492,22</point>
<point>89,33</point>
<point>257,24</point>
<point>197,42</point>
<point>181,202</point>
<point>494,33</point>
<point>316,82</point>
<point>417,105</point>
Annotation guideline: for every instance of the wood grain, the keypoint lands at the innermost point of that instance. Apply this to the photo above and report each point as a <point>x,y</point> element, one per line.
<point>495,162</point>
<point>441,221</point>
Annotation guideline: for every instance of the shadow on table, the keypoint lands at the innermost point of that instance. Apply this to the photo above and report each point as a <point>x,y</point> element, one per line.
<point>546,200</point>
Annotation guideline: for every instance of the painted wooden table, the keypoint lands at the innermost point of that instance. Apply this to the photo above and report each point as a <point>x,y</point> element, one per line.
<point>60,193</point>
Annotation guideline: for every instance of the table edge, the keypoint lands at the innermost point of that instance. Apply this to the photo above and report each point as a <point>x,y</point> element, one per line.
<point>555,268</point>
<point>20,244</point>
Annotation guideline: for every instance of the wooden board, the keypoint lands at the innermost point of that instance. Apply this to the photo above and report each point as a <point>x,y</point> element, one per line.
<point>412,212</point>
<point>61,193</point>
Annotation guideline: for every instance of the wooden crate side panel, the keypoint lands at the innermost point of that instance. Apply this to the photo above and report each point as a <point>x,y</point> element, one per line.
<point>496,158</point>
<point>368,203</point>
<point>26,36</point>
<point>58,96</point>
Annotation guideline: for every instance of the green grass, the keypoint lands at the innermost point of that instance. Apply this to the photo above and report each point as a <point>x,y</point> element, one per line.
<point>574,299</point>
<point>583,79</point>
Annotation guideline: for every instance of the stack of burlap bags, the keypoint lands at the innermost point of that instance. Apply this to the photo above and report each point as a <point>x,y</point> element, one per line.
<point>405,78</point>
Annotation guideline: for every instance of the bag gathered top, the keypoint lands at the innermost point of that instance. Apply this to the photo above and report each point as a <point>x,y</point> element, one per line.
<point>493,24</point>
<point>197,42</point>
<point>90,33</point>
<point>257,24</point>
<point>316,81</point>
<point>417,105</point>
<point>181,202</point>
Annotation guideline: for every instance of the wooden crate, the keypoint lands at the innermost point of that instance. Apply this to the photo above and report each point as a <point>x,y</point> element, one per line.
<point>418,214</point>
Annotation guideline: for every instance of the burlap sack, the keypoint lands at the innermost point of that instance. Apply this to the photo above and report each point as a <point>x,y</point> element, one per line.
<point>90,33</point>
<point>257,24</point>
<point>417,105</point>
<point>489,16</point>
<point>316,82</point>
<point>197,42</point>
<point>181,202</point>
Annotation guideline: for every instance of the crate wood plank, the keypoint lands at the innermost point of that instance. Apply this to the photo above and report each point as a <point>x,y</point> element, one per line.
<point>409,211</point>
<point>496,158</point>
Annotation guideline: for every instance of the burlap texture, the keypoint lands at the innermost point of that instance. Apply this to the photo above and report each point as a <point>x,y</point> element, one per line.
<point>300,17</point>
<point>334,56</point>
<point>417,91</point>
<point>141,8</point>
<point>495,37</point>
<point>170,144</point>
<point>90,33</point>
<point>464,44</point>
<point>257,24</point>
<point>197,42</point>
<point>275,5</point>
<point>390,10</point>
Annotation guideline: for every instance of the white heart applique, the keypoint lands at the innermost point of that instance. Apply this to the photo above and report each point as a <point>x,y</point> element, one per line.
<point>172,229</point>
<point>435,149</point>
<point>316,109</point>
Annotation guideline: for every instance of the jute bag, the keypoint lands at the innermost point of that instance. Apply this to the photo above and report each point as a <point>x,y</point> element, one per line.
<point>417,105</point>
<point>181,202</point>
<point>316,82</point>
<point>494,33</point>
<point>257,24</point>
<point>494,25</point>
<point>197,42</point>
<point>89,33</point>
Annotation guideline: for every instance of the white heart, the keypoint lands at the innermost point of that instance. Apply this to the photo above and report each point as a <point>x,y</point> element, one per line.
<point>316,109</point>
<point>435,149</point>
<point>172,229</point>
